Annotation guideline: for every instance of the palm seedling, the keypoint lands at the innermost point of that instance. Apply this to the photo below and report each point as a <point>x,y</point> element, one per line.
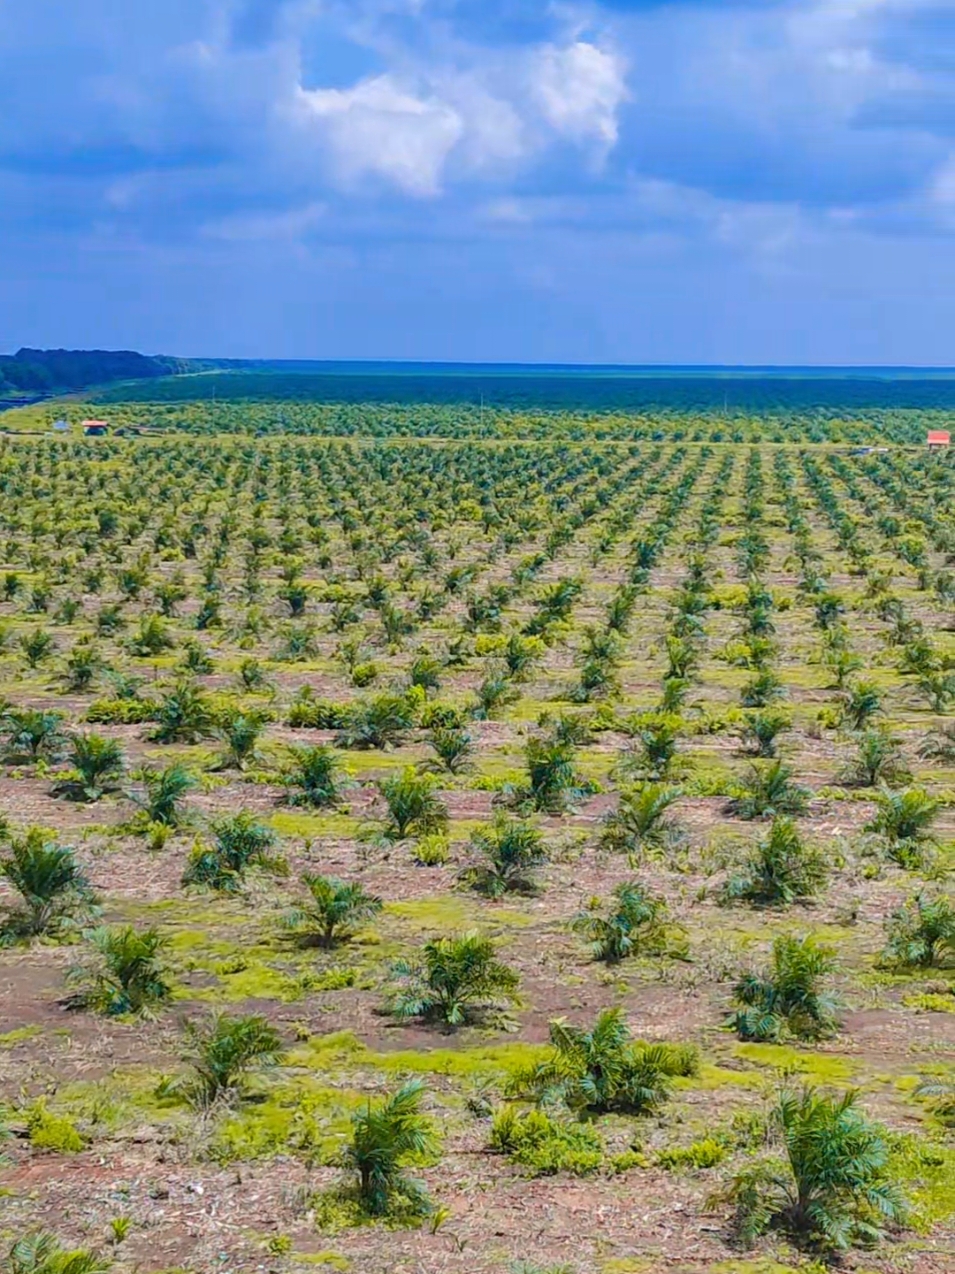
<point>842,663</point>
<point>31,734</point>
<point>878,759</point>
<point>495,692</point>
<point>554,784</point>
<point>938,687</point>
<point>787,998</point>
<point>53,890</point>
<point>674,694</point>
<point>240,734</point>
<point>314,777</point>
<point>414,807</point>
<point>640,823</point>
<point>635,923</point>
<point>941,1095</point>
<point>763,727</point>
<point>425,671</point>
<point>860,703</point>
<point>455,980</point>
<point>42,1253</point>
<point>921,933</point>
<point>510,852</point>
<point>453,748</point>
<point>834,1189</point>
<point>939,745</point>
<point>98,766</point>
<point>37,645</point>
<point>151,638</point>
<point>604,1069</point>
<point>184,715</point>
<point>82,667</point>
<point>223,1052</point>
<point>161,802</point>
<point>520,654</point>
<point>332,913</point>
<point>768,790</point>
<point>239,842</point>
<point>682,657</point>
<point>658,739</point>
<point>381,722</point>
<point>780,869</point>
<point>129,975</point>
<point>904,821</point>
<point>762,689</point>
<point>386,1136</point>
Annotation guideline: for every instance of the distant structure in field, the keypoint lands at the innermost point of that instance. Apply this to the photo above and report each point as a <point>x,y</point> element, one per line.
<point>95,428</point>
<point>61,426</point>
<point>938,438</point>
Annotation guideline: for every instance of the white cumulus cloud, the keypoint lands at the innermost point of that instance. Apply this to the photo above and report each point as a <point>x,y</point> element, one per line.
<point>380,128</point>
<point>579,90</point>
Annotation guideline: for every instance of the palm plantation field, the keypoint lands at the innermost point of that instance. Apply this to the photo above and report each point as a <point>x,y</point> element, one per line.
<point>463,841</point>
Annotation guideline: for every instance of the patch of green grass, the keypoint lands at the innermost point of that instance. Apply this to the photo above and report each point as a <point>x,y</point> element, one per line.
<point>23,1033</point>
<point>299,1118</point>
<point>822,1068</point>
<point>930,1002</point>
<point>449,913</point>
<point>313,826</point>
<point>331,1260</point>
<point>926,1170</point>
<point>344,1050</point>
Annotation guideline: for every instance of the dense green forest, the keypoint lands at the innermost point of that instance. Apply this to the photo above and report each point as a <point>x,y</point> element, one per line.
<point>43,370</point>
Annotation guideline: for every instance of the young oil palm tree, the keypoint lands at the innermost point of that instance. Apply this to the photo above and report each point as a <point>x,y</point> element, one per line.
<point>239,842</point>
<point>54,892</point>
<point>455,980</point>
<point>937,685</point>
<point>640,824</point>
<point>184,715</point>
<point>510,850</point>
<point>414,808</point>
<point>495,692</point>
<point>333,912</point>
<point>787,998</point>
<point>31,734</point>
<point>453,747</point>
<point>98,767</point>
<point>129,975</point>
<point>834,1189</point>
<point>763,727</point>
<point>240,734</point>
<point>780,869</point>
<point>223,1052</point>
<point>386,1136</point>
<point>904,821</point>
<point>314,777</point>
<point>604,1069</point>
<point>553,782</point>
<point>165,789</point>
<point>42,1253</point>
<point>635,924</point>
<point>921,933</point>
<point>878,759</point>
<point>768,790</point>
<point>939,745</point>
<point>860,703</point>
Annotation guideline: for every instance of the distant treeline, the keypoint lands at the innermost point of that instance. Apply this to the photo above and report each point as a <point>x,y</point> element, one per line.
<point>578,392</point>
<point>42,370</point>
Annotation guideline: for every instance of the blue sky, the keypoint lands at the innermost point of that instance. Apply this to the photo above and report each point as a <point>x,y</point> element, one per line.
<point>732,181</point>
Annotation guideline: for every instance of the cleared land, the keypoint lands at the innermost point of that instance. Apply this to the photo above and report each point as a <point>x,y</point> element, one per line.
<point>633,613</point>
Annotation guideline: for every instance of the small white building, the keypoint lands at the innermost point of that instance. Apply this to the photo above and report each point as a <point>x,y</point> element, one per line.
<point>61,426</point>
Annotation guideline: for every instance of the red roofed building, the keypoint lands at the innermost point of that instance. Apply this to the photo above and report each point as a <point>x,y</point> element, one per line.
<point>95,428</point>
